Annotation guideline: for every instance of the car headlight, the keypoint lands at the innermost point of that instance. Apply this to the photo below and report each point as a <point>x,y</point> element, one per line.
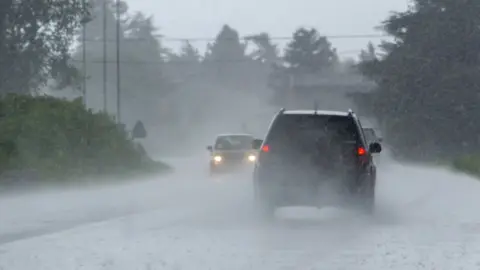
<point>217,158</point>
<point>252,158</point>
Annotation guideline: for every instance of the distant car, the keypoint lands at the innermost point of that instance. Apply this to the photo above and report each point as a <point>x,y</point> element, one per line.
<point>231,152</point>
<point>308,156</point>
<point>371,135</point>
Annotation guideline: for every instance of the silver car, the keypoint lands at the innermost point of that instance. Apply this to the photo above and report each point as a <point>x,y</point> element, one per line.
<point>371,135</point>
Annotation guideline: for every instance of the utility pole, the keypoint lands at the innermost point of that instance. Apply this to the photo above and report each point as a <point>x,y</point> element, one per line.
<point>84,56</point>
<point>119,88</point>
<point>105,11</point>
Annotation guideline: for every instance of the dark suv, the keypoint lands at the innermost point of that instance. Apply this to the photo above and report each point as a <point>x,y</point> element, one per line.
<point>315,158</point>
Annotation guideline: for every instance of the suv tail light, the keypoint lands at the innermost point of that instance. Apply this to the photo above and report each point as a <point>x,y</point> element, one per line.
<point>362,155</point>
<point>265,148</point>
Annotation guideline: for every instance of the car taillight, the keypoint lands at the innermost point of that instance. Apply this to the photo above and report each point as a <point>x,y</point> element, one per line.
<point>361,151</point>
<point>362,155</point>
<point>265,148</point>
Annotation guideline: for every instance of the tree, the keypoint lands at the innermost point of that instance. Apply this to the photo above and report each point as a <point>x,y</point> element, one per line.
<point>226,58</point>
<point>94,41</point>
<point>141,61</point>
<point>308,57</point>
<point>226,47</point>
<point>369,54</point>
<point>35,38</point>
<point>143,68</point>
<point>266,52</point>
<point>427,80</point>
<point>186,64</point>
<point>309,52</point>
<point>189,54</point>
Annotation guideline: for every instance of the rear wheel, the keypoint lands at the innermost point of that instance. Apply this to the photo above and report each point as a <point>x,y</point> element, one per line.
<point>365,201</point>
<point>365,195</point>
<point>367,205</point>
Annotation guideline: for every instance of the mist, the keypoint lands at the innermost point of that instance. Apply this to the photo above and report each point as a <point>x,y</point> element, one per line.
<point>79,188</point>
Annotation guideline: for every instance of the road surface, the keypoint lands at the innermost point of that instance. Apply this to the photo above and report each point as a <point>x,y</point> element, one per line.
<point>428,218</point>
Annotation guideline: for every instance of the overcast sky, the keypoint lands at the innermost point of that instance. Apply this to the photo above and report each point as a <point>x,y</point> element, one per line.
<point>204,18</point>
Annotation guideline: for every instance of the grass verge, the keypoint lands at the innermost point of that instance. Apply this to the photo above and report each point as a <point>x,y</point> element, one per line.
<point>468,164</point>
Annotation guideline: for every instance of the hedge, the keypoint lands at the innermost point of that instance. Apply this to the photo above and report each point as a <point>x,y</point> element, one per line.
<point>468,164</point>
<point>60,139</point>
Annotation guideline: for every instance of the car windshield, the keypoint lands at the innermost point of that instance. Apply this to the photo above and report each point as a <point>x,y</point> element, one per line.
<point>307,132</point>
<point>234,142</point>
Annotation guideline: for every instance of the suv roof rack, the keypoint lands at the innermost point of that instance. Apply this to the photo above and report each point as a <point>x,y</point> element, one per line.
<point>350,112</point>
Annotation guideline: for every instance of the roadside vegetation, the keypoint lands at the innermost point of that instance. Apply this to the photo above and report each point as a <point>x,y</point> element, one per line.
<point>59,140</point>
<point>468,164</point>
<point>427,83</point>
<point>425,79</point>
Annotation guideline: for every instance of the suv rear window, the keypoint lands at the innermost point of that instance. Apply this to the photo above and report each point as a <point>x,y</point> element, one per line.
<point>290,130</point>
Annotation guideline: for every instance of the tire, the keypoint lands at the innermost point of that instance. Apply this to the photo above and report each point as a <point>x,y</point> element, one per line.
<point>365,202</point>
<point>368,206</point>
<point>364,197</point>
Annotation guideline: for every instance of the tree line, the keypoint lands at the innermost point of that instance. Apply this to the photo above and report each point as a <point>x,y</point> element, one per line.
<point>45,139</point>
<point>426,80</point>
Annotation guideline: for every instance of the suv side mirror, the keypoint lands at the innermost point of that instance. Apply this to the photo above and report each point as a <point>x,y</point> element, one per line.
<point>210,148</point>
<point>380,139</point>
<point>375,148</point>
<point>257,143</point>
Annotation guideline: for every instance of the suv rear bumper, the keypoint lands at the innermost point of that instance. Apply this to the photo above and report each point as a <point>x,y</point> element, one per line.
<point>281,191</point>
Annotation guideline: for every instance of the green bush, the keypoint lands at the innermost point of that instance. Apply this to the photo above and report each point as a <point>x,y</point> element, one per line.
<point>61,139</point>
<point>468,164</point>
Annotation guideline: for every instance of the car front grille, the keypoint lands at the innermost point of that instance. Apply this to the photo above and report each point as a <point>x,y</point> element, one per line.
<point>233,156</point>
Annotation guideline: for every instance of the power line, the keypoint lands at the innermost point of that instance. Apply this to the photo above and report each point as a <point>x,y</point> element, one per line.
<point>245,38</point>
<point>166,62</point>
<point>180,62</point>
<point>279,38</point>
<point>201,61</point>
